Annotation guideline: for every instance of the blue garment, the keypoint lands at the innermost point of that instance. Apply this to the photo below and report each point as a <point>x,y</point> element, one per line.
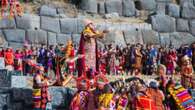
<point>153,54</point>
<point>42,57</point>
<point>189,52</point>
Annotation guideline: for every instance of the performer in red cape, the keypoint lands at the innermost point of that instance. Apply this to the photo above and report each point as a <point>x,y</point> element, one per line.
<point>88,47</point>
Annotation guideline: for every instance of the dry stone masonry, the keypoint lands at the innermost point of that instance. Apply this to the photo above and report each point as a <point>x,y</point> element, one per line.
<point>51,25</point>
<point>167,21</point>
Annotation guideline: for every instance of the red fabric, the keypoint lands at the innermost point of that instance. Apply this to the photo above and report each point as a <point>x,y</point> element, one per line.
<point>71,67</point>
<point>145,103</point>
<point>2,53</point>
<point>72,54</point>
<point>102,68</point>
<point>81,61</point>
<point>9,58</point>
<point>4,5</point>
<point>18,55</point>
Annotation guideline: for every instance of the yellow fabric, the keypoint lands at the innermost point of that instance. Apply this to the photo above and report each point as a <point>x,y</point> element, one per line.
<point>36,92</point>
<point>88,31</point>
<point>100,98</point>
<point>106,101</point>
<point>173,93</point>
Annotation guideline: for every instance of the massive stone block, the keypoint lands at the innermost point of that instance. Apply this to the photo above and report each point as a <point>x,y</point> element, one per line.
<point>161,8</point>
<point>28,21</point>
<point>63,38</point>
<point>133,36</point>
<point>61,97</point>
<point>14,35</point>
<point>80,25</point>
<point>111,16</point>
<point>48,11</point>
<point>68,25</point>
<point>181,2</point>
<point>148,4</point>
<point>163,23</point>
<point>128,8</point>
<point>50,24</point>
<point>188,10</point>
<point>164,39</point>
<point>100,26</point>
<point>23,22</point>
<point>101,8</point>
<point>52,38</point>
<point>15,45</point>
<point>22,95</point>
<point>22,82</point>
<point>173,10</point>
<point>182,25</point>
<point>192,27</point>
<point>36,36</point>
<point>150,36</point>
<point>179,38</point>
<point>3,42</point>
<point>165,1</point>
<point>114,37</point>
<point>76,39</point>
<point>114,6</point>
<point>4,100</point>
<point>7,23</point>
<point>89,5</point>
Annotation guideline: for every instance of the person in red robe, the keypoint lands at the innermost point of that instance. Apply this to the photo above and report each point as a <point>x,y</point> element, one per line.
<point>18,56</point>
<point>88,47</point>
<point>9,57</point>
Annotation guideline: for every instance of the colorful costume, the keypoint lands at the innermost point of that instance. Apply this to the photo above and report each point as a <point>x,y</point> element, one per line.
<point>104,100</point>
<point>111,61</point>
<point>122,103</point>
<point>71,64</point>
<point>4,5</point>
<point>42,55</point>
<point>182,98</point>
<point>9,57</point>
<point>18,62</point>
<point>138,59</point>
<point>171,63</point>
<point>157,97</point>
<point>193,57</point>
<point>102,62</point>
<point>144,103</point>
<point>88,47</point>
<point>14,5</point>
<point>40,93</point>
<point>187,72</point>
<point>80,100</point>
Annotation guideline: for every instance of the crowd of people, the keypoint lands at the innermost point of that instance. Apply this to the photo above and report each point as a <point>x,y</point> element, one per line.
<point>89,64</point>
<point>129,60</point>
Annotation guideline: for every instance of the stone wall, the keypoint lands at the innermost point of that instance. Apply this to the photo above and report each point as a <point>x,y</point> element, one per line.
<point>21,98</point>
<point>172,19</point>
<point>42,29</point>
<point>167,22</point>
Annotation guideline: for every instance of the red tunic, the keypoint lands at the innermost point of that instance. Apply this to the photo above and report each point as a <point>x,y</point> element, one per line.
<point>9,58</point>
<point>87,47</point>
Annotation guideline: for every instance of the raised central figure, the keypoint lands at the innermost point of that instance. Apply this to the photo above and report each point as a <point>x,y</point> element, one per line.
<point>88,47</point>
